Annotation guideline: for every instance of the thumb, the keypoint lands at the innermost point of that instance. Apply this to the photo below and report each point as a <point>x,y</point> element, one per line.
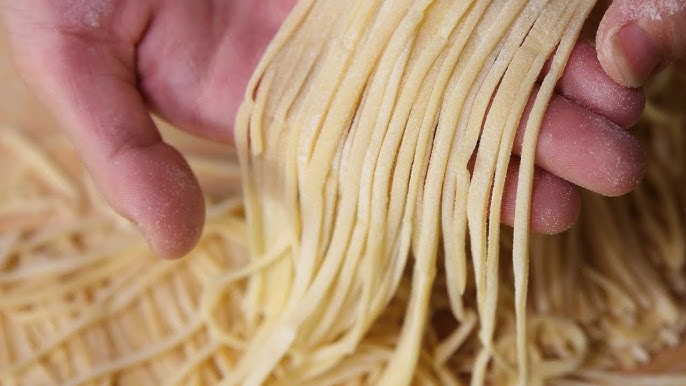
<point>636,38</point>
<point>91,88</point>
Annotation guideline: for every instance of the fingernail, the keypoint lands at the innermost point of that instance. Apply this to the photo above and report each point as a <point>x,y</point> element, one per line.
<point>636,54</point>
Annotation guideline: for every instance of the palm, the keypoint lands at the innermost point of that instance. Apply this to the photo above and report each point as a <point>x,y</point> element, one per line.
<point>195,59</point>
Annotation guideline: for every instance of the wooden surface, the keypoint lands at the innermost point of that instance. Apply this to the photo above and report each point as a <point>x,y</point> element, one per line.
<point>19,108</point>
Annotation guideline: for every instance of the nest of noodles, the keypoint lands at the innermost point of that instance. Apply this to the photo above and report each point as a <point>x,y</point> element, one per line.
<point>84,302</point>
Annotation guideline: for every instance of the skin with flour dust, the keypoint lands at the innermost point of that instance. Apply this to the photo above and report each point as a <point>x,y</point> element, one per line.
<point>101,66</point>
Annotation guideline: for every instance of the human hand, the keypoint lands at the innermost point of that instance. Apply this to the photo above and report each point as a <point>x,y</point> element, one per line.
<point>638,38</point>
<point>99,66</point>
<point>635,40</point>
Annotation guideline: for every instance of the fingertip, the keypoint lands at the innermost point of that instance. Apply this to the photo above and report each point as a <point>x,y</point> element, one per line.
<point>586,83</point>
<point>555,203</point>
<point>636,56</point>
<point>588,150</point>
<point>609,49</point>
<point>622,168</point>
<point>636,38</point>
<point>174,236</point>
<point>156,189</point>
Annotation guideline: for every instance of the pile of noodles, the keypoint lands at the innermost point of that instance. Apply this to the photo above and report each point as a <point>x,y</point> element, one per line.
<point>361,251</point>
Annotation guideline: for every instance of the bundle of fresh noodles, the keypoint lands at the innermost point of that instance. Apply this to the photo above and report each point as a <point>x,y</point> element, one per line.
<point>363,250</point>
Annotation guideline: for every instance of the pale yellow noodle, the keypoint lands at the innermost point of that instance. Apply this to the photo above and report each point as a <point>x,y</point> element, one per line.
<point>364,248</point>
